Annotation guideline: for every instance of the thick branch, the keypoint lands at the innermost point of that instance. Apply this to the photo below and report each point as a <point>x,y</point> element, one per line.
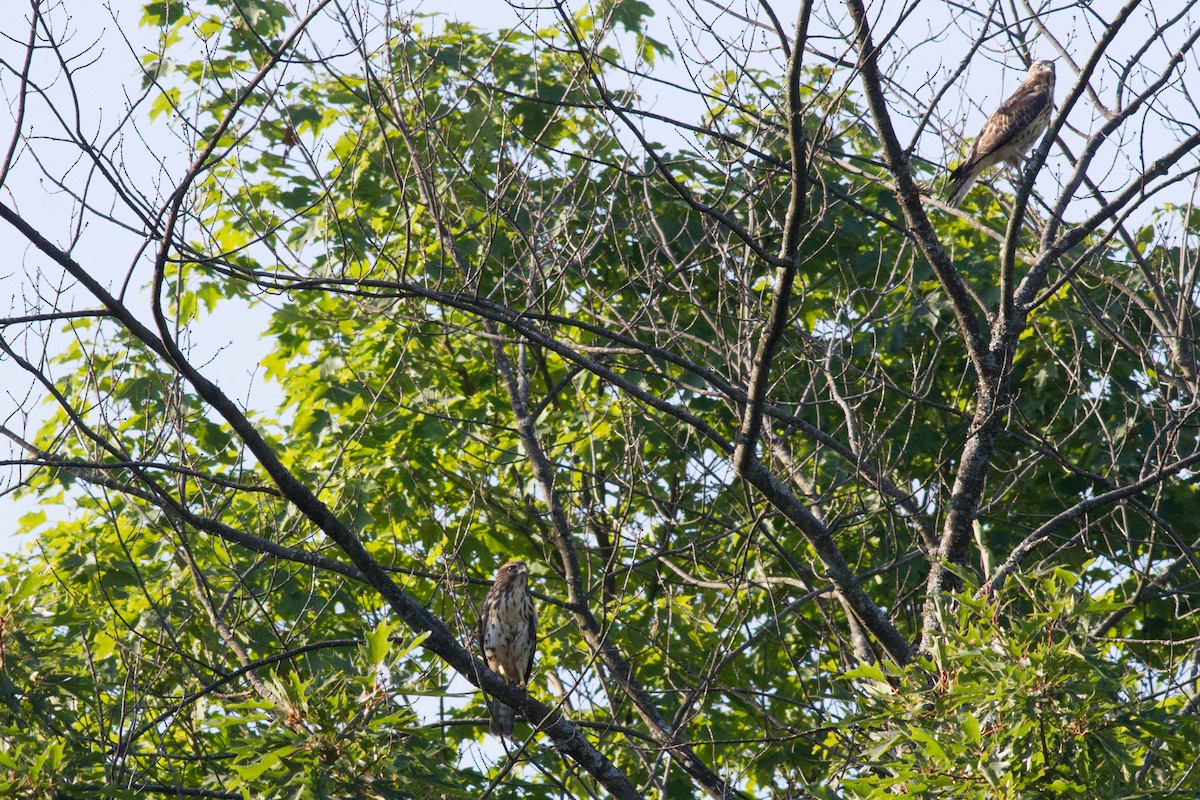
<point>788,254</point>
<point>836,568</point>
<point>909,197</point>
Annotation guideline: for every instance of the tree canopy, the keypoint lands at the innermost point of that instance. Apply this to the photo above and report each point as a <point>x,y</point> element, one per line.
<point>827,488</point>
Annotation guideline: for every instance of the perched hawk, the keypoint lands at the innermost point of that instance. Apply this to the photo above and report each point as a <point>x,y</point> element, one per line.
<point>508,635</point>
<point>1010,131</point>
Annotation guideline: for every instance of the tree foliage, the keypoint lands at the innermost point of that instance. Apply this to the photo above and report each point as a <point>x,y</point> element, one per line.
<point>827,489</point>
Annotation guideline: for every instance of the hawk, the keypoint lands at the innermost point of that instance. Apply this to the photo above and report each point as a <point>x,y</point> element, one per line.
<point>508,636</point>
<point>1009,132</point>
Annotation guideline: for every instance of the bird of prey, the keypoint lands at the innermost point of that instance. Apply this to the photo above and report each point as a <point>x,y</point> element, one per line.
<point>508,636</point>
<point>1009,132</point>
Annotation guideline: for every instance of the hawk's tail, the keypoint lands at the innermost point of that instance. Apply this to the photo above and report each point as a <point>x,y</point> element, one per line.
<point>961,181</point>
<point>502,719</point>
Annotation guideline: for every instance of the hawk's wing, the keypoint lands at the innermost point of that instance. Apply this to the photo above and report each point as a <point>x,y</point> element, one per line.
<point>532,646</point>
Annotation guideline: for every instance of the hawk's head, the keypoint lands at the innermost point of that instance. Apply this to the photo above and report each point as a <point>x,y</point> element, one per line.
<point>1041,70</point>
<point>513,573</point>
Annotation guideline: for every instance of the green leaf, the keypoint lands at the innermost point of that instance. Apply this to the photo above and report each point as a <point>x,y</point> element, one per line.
<point>377,642</point>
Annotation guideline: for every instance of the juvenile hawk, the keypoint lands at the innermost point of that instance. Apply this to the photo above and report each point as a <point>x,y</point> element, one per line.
<point>1009,133</point>
<point>508,636</point>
